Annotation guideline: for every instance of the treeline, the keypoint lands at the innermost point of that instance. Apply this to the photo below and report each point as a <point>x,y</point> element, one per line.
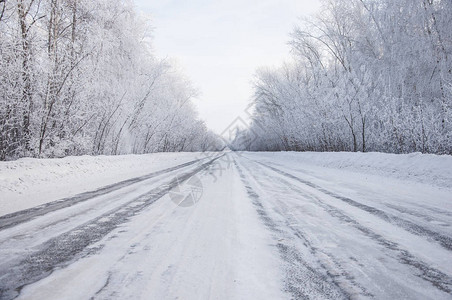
<point>366,75</point>
<point>79,77</point>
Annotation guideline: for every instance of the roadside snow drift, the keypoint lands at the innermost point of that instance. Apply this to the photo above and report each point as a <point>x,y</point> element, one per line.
<point>423,168</point>
<point>29,182</point>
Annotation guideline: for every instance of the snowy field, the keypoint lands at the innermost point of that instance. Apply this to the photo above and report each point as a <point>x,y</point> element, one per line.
<point>227,226</point>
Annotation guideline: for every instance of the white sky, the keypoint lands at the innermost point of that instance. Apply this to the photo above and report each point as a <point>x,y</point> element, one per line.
<point>220,43</point>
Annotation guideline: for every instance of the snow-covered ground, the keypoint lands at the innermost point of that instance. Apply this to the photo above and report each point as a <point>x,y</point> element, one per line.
<point>415,167</point>
<point>29,182</point>
<point>237,226</point>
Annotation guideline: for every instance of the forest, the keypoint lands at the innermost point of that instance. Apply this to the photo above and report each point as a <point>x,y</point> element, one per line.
<point>81,77</point>
<point>364,75</point>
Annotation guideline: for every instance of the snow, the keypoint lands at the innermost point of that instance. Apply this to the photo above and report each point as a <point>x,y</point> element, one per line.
<point>262,226</point>
<point>397,230</point>
<point>416,167</point>
<point>29,182</point>
<point>216,249</point>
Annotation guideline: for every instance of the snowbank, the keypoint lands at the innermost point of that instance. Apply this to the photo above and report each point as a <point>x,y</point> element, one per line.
<point>423,168</point>
<point>29,182</point>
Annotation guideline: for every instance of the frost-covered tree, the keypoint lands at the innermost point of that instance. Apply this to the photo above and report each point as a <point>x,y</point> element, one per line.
<point>366,75</point>
<point>80,77</point>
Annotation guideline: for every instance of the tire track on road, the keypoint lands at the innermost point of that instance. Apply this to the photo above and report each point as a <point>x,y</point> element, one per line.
<point>302,280</point>
<point>436,277</point>
<point>59,251</point>
<point>419,230</point>
<point>22,216</point>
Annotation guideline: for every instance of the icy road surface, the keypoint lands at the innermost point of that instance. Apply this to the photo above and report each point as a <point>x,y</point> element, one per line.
<point>235,226</point>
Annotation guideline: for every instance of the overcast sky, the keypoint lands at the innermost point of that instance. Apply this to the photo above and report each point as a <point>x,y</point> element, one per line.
<point>220,43</point>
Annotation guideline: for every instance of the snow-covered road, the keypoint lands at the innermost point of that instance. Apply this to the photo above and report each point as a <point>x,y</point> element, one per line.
<point>236,226</point>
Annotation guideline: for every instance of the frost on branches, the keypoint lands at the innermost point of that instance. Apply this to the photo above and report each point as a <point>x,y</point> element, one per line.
<point>79,77</point>
<point>366,75</point>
